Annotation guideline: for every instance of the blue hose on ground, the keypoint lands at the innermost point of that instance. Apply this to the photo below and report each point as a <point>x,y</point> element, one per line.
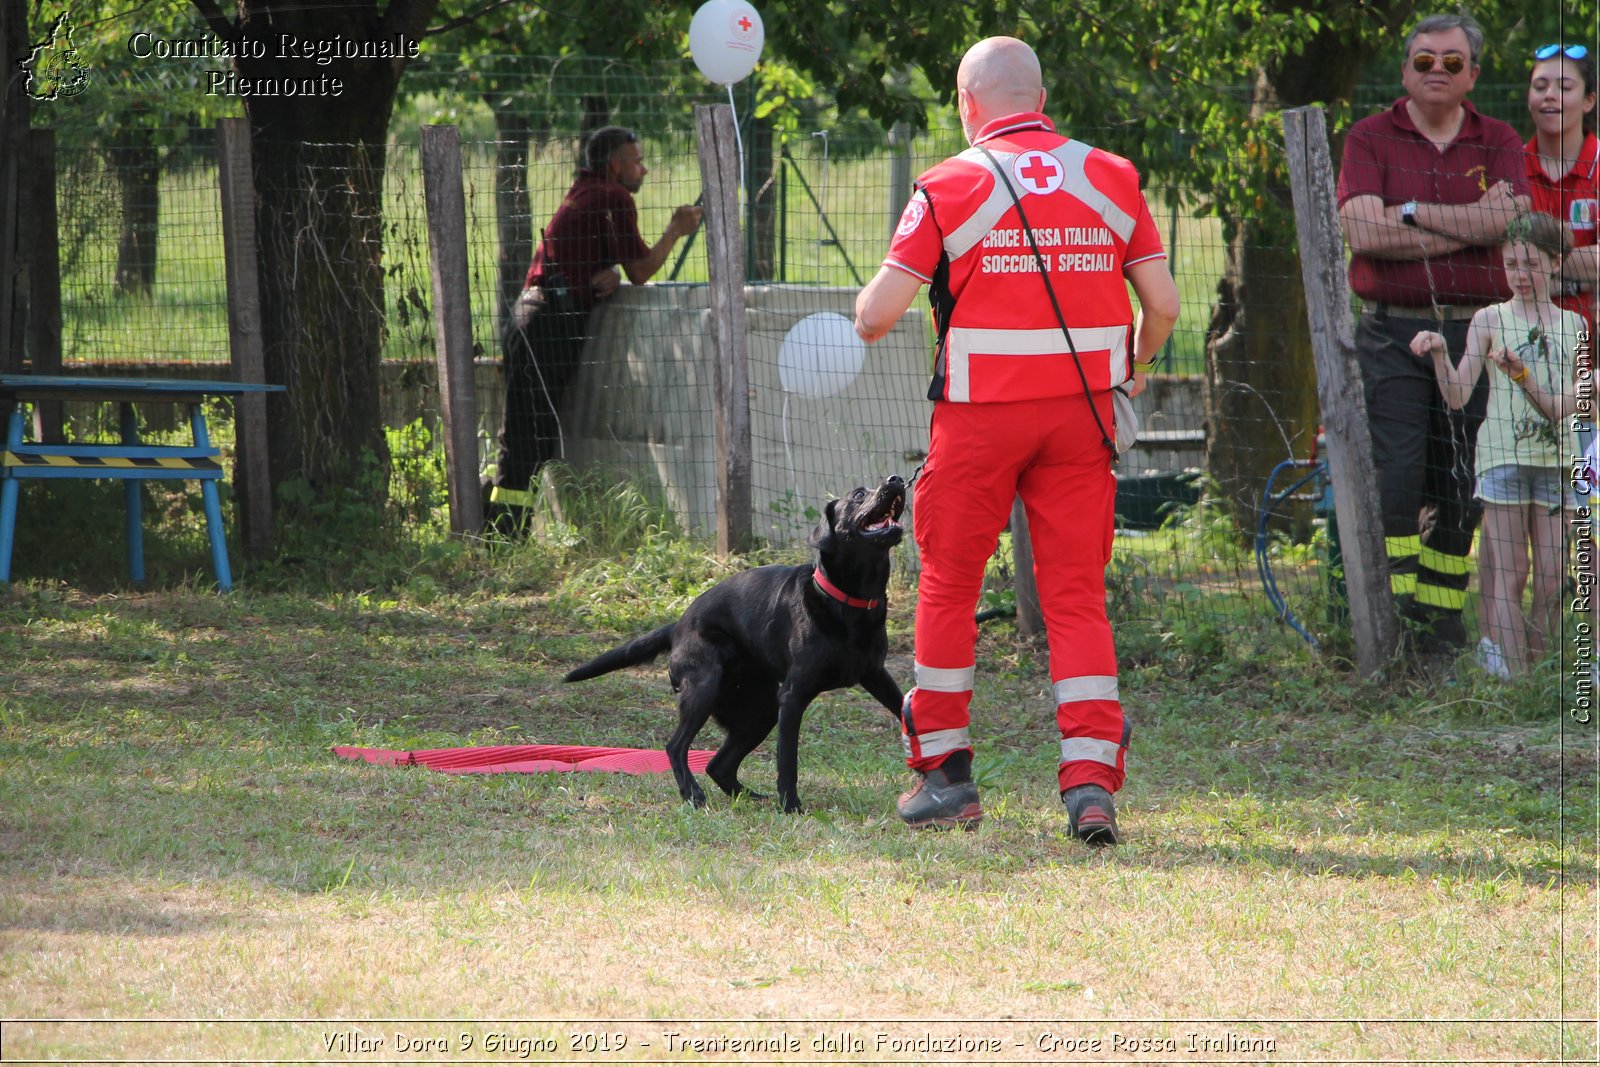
<point>1263,516</point>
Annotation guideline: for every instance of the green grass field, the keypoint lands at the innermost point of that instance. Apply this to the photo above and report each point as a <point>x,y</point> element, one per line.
<point>1337,871</point>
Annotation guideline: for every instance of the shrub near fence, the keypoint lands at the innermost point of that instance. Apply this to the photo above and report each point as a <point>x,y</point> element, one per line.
<point>1181,573</point>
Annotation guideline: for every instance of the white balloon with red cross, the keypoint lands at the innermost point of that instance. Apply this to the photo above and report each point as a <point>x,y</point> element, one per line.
<point>725,39</point>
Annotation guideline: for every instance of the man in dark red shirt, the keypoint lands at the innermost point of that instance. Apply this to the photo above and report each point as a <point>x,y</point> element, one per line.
<point>1425,192</point>
<point>593,232</point>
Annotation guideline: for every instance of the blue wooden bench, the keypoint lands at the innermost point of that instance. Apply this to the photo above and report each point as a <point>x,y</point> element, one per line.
<point>129,460</point>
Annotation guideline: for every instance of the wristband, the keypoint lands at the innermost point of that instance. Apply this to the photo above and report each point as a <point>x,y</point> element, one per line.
<point>1519,377</point>
<point>1145,368</point>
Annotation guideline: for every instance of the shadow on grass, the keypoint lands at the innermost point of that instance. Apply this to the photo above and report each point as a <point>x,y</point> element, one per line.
<point>190,734</point>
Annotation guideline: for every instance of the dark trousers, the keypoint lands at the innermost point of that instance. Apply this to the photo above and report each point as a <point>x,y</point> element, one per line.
<point>1424,453</point>
<point>543,348</point>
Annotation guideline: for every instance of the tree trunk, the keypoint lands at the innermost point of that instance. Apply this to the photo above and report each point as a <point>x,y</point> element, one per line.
<point>1260,386</point>
<point>319,216</point>
<point>513,214</point>
<point>13,188</point>
<point>596,113</point>
<point>136,162</point>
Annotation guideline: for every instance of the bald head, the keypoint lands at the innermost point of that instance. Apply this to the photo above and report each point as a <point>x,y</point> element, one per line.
<point>999,76</point>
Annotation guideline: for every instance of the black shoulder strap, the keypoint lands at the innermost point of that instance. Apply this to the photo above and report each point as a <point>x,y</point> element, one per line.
<point>1049,289</point>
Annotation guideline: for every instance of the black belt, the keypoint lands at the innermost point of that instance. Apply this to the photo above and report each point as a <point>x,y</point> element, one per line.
<point>1437,312</point>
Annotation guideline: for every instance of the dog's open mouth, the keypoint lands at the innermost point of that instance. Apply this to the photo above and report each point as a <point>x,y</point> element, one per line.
<point>884,515</point>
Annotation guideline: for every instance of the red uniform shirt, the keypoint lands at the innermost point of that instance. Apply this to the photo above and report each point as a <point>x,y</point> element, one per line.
<point>596,227</point>
<point>999,338</point>
<point>1576,199</point>
<point>1386,156</point>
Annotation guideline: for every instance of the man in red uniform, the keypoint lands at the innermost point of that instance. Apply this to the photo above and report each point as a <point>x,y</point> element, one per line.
<point>1426,189</point>
<point>593,232</point>
<point>1016,411</point>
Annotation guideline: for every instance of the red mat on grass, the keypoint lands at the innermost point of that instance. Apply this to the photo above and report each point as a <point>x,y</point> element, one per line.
<point>526,759</point>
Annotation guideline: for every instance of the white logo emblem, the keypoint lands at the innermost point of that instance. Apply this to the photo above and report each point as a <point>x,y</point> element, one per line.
<point>911,218</point>
<point>1038,172</point>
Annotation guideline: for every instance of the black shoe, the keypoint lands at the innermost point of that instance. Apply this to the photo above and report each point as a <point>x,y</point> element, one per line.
<point>1092,814</point>
<point>945,797</point>
<point>507,522</point>
<point>1449,633</point>
<point>1429,633</point>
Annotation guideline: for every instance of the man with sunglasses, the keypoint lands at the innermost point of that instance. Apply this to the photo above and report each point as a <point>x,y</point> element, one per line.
<point>593,233</point>
<point>1426,190</point>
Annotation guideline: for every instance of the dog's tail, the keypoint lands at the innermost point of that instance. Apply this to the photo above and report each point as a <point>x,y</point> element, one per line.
<point>639,650</point>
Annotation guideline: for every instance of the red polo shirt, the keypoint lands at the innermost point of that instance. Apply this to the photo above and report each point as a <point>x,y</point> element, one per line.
<point>1386,156</point>
<point>596,227</point>
<point>1576,199</point>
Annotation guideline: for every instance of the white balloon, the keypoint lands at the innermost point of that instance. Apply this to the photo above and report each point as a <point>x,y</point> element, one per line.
<point>725,38</point>
<point>820,355</point>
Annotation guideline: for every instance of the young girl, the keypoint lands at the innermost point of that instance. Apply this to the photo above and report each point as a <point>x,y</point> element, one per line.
<point>1525,446</point>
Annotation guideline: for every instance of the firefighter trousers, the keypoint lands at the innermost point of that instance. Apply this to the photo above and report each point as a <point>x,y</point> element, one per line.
<point>1424,454</point>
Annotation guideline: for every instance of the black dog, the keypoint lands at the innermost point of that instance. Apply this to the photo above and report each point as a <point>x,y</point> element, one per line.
<point>754,650</point>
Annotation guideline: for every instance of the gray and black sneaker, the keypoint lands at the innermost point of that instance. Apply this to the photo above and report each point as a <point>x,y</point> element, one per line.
<point>1092,814</point>
<point>945,797</point>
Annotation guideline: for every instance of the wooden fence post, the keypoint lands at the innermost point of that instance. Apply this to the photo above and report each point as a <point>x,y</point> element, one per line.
<point>252,474</point>
<point>1029,618</point>
<point>44,279</point>
<point>1344,410</point>
<point>719,176</point>
<point>899,172</point>
<point>452,322</point>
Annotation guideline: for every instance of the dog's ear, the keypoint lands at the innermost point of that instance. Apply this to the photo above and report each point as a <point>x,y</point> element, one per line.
<point>822,537</point>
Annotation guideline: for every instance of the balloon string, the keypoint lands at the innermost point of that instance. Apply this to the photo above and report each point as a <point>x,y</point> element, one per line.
<point>737,140</point>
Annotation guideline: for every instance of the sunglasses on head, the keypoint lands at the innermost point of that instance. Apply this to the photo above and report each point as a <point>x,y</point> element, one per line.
<point>1571,51</point>
<point>1452,63</point>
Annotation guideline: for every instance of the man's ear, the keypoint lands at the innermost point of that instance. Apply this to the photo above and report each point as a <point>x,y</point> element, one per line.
<point>822,537</point>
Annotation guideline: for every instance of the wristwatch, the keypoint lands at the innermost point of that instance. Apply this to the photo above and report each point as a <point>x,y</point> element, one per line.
<point>1408,212</point>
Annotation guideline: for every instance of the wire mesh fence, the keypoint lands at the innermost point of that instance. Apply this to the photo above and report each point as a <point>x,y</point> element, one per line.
<point>1209,557</point>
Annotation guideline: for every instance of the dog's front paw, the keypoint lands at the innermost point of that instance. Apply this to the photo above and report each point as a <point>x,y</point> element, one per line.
<point>791,805</point>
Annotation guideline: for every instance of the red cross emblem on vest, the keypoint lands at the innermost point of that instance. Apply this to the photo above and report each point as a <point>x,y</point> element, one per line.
<point>1038,172</point>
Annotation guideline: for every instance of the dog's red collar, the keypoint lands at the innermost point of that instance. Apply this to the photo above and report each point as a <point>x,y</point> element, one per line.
<point>839,594</point>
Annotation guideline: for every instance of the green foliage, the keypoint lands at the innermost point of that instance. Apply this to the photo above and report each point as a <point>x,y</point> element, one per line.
<point>339,538</point>
<point>418,489</point>
<point>127,97</point>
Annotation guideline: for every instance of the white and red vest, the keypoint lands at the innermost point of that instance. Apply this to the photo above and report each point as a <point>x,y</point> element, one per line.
<point>999,339</point>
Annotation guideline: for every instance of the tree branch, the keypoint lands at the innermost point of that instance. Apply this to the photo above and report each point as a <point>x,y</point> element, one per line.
<point>466,20</point>
<point>216,19</point>
<point>409,17</point>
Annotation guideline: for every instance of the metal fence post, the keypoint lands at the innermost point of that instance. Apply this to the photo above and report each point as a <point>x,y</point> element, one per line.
<point>1339,390</point>
<point>719,175</point>
<point>452,319</point>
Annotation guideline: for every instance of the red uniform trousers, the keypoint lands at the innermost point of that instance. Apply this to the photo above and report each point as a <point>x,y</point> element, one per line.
<point>981,457</point>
